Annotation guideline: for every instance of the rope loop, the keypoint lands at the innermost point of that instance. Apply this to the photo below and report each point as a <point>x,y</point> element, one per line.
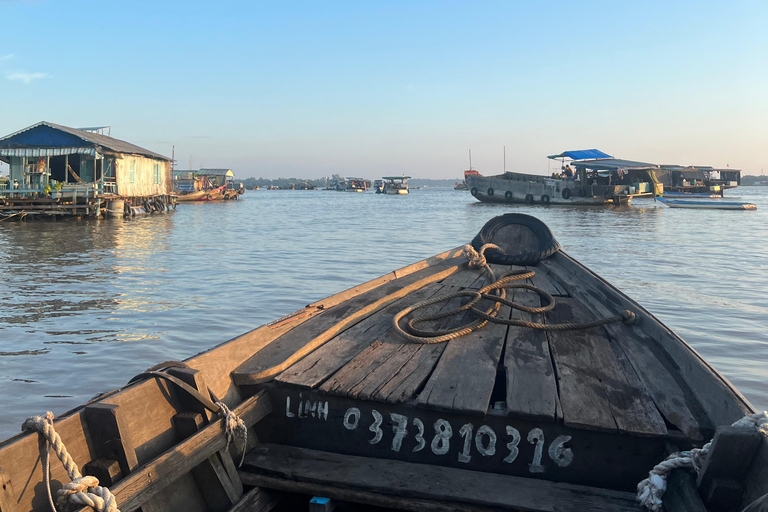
<point>82,490</point>
<point>651,490</point>
<point>496,294</point>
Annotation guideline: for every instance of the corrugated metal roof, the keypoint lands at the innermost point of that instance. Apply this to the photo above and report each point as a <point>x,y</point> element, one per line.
<point>38,152</point>
<point>216,172</point>
<point>99,141</point>
<point>613,163</point>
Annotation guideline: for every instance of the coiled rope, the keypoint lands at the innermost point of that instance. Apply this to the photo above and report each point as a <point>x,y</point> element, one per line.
<point>495,292</point>
<point>82,490</point>
<point>650,490</point>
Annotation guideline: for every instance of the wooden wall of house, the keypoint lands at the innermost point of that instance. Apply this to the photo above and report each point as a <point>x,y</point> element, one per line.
<point>135,176</point>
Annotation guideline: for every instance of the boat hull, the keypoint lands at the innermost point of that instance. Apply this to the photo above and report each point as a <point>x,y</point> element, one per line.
<point>705,204</point>
<point>497,189</point>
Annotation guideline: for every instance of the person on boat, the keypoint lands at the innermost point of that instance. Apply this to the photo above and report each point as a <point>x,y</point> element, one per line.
<point>568,172</point>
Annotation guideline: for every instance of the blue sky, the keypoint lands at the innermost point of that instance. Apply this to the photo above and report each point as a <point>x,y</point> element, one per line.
<point>307,89</point>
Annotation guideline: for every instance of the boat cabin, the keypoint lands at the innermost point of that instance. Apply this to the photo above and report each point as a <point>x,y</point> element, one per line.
<point>698,179</point>
<point>356,185</point>
<point>593,167</point>
<point>395,185</point>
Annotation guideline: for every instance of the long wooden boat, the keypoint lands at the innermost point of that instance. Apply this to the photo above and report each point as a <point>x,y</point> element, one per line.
<point>344,405</point>
<point>203,195</point>
<point>705,204</point>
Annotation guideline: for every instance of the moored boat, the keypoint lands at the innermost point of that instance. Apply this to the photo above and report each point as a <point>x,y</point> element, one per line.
<point>706,204</point>
<point>552,391</point>
<point>395,185</point>
<point>590,178</point>
<point>356,185</point>
<point>203,195</point>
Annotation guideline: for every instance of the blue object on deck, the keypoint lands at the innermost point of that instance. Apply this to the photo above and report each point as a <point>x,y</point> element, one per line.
<point>581,154</point>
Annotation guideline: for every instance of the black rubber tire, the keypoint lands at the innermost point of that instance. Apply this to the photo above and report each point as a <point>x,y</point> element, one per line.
<point>508,195</point>
<point>473,191</point>
<point>490,192</point>
<point>529,198</point>
<point>545,199</point>
<point>566,193</point>
<point>547,243</point>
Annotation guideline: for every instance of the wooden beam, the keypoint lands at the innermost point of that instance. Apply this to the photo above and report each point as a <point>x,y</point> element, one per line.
<point>729,458</point>
<point>681,494</point>
<point>154,476</point>
<point>258,500</point>
<point>405,484</point>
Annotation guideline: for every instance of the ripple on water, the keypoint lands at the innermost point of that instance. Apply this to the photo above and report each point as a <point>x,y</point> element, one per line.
<point>87,305</point>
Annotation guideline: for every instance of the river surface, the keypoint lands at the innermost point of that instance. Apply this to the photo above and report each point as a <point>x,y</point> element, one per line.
<point>86,305</point>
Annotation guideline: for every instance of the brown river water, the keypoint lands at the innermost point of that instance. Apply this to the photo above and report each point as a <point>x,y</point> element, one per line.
<point>86,305</point>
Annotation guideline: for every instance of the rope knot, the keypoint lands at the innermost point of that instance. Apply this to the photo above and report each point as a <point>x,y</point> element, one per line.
<point>476,259</point>
<point>234,427</point>
<point>77,485</point>
<point>628,317</point>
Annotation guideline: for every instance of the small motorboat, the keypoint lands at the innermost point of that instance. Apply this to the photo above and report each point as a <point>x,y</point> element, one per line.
<point>502,375</point>
<point>705,204</point>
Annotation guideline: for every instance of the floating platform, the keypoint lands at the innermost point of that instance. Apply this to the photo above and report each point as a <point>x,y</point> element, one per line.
<point>563,400</point>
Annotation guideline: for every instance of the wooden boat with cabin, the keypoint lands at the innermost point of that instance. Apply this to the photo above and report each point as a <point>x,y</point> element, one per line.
<point>553,391</point>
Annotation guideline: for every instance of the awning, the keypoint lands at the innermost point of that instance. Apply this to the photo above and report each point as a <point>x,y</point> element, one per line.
<point>581,154</point>
<point>38,152</point>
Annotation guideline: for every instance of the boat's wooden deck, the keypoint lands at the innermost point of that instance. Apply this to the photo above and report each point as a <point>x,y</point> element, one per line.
<point>572,404</point>
<point>583,378</point>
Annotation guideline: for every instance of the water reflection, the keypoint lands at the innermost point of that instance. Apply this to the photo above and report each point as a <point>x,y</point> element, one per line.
<point>87,305</point>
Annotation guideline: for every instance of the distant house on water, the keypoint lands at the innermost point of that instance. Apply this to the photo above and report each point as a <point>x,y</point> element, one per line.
<point>79,169</point>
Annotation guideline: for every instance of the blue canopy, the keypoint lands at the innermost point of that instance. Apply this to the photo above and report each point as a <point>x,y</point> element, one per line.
<point>581,154</point>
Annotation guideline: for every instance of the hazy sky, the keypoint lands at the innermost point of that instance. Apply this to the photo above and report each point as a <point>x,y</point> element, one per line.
<point>307,89</point>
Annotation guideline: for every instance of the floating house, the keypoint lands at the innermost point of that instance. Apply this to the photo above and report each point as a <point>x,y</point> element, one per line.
<point>58,170</point>
<point>217,177</point>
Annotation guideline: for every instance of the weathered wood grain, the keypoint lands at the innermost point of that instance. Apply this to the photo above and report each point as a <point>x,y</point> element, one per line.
<point>530,377</point>
<point>447,487</point>
<point>464,378</point>
<point>756,480</point>
<point>258,500</point>
<point>152,478</point>
<point>595,390</point>
<point>702,387</point>
<point>295,345</point>
<point>217,363</point>
<point>662,377</point>
<point>318,366</point>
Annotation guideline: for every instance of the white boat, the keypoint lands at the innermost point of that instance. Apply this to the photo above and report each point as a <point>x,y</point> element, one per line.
<point>395,185</point>
<point>703,204</point>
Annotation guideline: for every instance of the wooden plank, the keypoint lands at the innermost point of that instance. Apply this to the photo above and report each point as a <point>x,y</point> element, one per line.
<point>756,480</point>
<point>258,500</point>
<point>731,452</point>
<point>464,378</point>
<point>295,345</point>
<point>109,435</point>
<point>392,369</point>
<point>583,398</point>
<point>147,481</point>
<point>439,485</point>
<point>721,403</point>
<point>596,390</point>
<point>546,283</point>
<point>220,488</point>
<point>217,363</point>
<point>681,494</point>
<point>530,376</point>
<point>7,496</point>
<point>318,366</point>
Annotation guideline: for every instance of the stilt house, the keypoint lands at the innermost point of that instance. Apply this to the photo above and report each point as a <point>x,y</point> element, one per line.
<point>59,163</point>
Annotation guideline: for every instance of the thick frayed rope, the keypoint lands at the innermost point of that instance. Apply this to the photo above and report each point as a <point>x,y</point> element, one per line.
<point>234,427</point>
<point>82,490</point>
<point>650,490</point>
